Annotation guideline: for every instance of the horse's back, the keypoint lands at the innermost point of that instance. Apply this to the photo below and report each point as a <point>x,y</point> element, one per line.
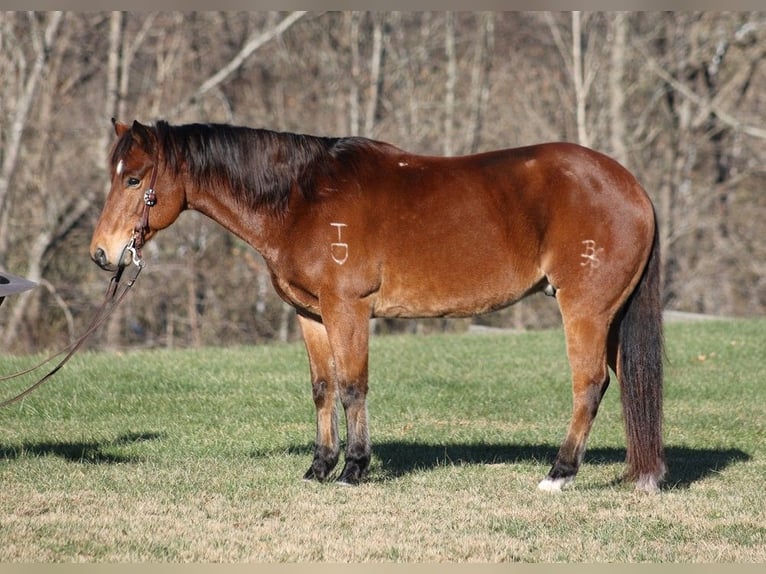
<point>519,198</point>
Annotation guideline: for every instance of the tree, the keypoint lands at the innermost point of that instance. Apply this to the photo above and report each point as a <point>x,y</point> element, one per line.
<point>708,66</point>
<point>19,95</point>
<point>676,97</point>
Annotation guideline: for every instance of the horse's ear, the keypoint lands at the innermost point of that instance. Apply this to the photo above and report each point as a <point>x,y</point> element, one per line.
<point>119,127</point>
<point>143,135</point>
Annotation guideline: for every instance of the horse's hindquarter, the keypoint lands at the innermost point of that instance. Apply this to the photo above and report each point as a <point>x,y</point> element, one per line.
<point>599,225</point>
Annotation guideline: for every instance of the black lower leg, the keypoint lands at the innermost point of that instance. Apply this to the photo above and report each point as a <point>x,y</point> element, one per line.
<point>567,462</point>
<point>563,469</point>
<point>324,462</point>
<point>357,463</point>
<point>353,399</point>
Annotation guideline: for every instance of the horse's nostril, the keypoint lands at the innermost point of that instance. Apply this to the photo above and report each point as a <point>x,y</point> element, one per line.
<point>99,256</point>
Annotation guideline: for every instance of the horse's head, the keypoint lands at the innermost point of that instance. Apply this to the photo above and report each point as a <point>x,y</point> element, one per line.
<point>135,160</point>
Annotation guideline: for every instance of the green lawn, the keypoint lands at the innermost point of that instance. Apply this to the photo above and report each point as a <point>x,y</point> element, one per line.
<point>197,455</point>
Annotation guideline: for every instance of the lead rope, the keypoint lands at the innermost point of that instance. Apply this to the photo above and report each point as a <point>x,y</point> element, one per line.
<point>111,300</point>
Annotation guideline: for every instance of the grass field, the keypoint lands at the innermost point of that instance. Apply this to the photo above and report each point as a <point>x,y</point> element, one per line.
<point>197,456</point>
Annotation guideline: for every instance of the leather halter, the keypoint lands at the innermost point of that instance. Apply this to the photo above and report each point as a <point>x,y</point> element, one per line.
<point>142,227</point>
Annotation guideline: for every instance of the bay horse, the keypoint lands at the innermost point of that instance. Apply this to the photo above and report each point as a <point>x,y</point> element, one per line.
<point>352,228</point>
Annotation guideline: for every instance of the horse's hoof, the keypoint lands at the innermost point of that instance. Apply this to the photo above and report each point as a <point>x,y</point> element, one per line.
<point>310,476</point>
<point>352,474</point>
<point>313,476</point>
<point>349,480</point>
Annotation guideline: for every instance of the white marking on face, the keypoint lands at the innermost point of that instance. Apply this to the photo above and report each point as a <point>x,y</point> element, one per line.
<point>339,249</point>
<point>403,164</point>
<point>591,254</point>
<point>120,167</point>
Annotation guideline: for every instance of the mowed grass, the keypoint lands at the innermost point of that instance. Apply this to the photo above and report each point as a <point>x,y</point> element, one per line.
<point>197,455</point>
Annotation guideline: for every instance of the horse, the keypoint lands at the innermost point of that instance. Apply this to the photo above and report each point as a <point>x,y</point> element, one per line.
<point>352,228</point>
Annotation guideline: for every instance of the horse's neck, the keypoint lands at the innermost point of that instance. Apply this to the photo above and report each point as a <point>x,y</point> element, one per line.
<point>258,227</point>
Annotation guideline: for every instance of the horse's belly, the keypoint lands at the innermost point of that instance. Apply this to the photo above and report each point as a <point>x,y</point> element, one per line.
<point>458,295</point>
<point>418,309</point>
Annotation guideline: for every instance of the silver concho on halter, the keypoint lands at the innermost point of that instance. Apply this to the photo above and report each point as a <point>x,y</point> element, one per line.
<point>150,198</point>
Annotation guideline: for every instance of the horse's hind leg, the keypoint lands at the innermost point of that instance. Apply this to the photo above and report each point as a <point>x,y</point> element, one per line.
<point>327,446</point>
<point>587,350</point>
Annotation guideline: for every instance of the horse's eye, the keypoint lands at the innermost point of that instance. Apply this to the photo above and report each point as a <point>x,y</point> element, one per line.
<point>133,181</point>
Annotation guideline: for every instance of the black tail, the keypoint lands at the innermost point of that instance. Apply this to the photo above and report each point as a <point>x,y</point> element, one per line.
<point>641,372</point>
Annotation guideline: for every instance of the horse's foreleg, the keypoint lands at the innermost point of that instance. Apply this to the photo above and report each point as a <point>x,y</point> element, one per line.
<point>327,446</point>
<point>348,330</point>
<point>586,348</point>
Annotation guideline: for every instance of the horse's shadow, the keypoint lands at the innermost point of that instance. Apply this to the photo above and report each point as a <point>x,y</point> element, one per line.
<point>395,459</point>
<point>79,451</point>
<point>686,465</point>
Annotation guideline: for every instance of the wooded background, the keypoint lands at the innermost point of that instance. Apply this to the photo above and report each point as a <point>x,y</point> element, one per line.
<point>678,98</point>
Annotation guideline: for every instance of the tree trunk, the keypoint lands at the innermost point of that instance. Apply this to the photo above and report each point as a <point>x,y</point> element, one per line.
<point>578,78</point>
<point>617,88</point>
<point>449,88</point>
<point>10,152</point>
<point>352,19</point>
<point>480,81</point>
<point>376,62</point>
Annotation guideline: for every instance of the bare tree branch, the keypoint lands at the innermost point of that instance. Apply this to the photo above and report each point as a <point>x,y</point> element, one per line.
<point>250,46</point>
<point>688,93</point>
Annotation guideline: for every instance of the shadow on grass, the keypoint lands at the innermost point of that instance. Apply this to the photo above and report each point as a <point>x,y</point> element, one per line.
<point>686,465</point>
<point>82,452</point>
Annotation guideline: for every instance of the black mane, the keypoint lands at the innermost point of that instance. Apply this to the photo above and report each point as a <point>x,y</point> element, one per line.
<point>259,166</point>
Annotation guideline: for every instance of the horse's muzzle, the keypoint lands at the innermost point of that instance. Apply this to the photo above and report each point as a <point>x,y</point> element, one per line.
<point>101,259</point>
<point>129,254</point>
